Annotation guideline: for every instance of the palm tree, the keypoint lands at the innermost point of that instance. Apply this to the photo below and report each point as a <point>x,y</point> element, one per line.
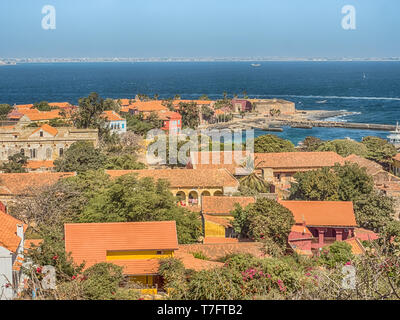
<point>253,181</point>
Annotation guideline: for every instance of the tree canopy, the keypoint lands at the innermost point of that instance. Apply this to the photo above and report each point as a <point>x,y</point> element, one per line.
<point>379,150</point>
<point>344,147</point>
<point>190,114</point>
<point>272,143</point>
<point>15,164</point>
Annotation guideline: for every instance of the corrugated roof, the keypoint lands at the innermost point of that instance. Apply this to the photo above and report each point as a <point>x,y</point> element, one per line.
<point>322,213</point>
<point>90,242</point>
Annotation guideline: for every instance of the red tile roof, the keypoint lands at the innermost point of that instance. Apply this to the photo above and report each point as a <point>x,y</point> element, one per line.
<point>111,115</point>
<point>285,160</point>
<point>8,232</point>
<point>90,242</point>
<point>19,183</point>
<point>36,164</point>
<point>184,177</point>
<point>365,235</point>
<point>322,213</point>
<point>397,157</point>
<point>190,262</point>
<point>49,129</point>
<point>371,166</point>
<point>223,205</point>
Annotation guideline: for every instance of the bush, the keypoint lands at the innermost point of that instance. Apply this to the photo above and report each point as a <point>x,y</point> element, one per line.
<point>102,281</point>
<point>338,253</point>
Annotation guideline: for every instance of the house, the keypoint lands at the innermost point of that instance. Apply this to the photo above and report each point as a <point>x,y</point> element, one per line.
<point>172,121</point>
<point>265,106</point>
<point>241,105</point>
<point>144,107</point>
<point>319,223</point>
<point>114,121</point>
<point>189,185</point>
<point>395,166</point>
<point>217,217</point>
<point>374,169</point>
<point>11,255</point>
<point>42,143</point>
<point>135,246</point>
<point>13,185</point>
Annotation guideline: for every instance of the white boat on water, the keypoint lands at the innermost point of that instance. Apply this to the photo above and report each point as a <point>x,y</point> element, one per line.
<point>255,65</point>
<point>322,101</point>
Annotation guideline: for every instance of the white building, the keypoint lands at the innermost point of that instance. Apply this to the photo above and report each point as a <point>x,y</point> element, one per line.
<point>115,122</point>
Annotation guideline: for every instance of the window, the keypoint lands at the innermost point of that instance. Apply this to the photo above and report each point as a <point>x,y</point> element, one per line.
<point>33,153</point>
<point>61,152</point>
<point>123,125</point>
<point>159,252</point>
<point>41,133</point>
<point>22,152</point>
<point>48,153</point>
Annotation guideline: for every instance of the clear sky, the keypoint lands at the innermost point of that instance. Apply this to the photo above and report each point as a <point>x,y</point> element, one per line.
<point>199,28</point>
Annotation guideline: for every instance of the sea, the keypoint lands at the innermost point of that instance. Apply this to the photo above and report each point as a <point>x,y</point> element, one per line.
<point>370,91</point>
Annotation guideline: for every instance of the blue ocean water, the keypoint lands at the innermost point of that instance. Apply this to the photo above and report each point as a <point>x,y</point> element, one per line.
<point>370,90</point>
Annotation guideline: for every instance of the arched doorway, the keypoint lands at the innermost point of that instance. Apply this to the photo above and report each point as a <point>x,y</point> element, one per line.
<point>218,193</point>
<point>181,197</point>
<point>193,198</point>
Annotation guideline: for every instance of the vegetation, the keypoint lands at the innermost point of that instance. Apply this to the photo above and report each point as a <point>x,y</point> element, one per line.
<point>379,150</point>
<point>264,220</point>
<point>190,114</point>
<point>311,143</point>
<point>5,109</point>
<point>344,147</point>
<point>140,126</point>
<point>272,143</point>
<point>16,163</point>
<point>44,106</point>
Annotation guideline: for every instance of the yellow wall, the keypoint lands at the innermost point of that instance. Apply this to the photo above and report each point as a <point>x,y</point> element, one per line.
<point>212,229</point>
<point>127,255</point>
<point>142,279</point>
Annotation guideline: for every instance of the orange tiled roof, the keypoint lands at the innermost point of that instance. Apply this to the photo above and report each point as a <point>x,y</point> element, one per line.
<point>49,129</point>
<point>147,106</point>
<point>43,115</point>
<point>371,166</point>
<point>221,221</point>
<point>356,247</point>
<point>397,157</point>
<point>198,102</point>
<point>219,240</point>
<point>61,105</point>
<point>8,232</point>
<point>230,160</point>
<point>111,115</point>
<point>285,160</point>
<point>30,243</point>
<point>184,177</point>
<point>322,213</point>
<point>36,164</point>
<point>24,106</point>
<point>223,205</point>
<point>167,115</point>
<point>18,183</point>
<point>138,267</point>
<point>90,242</point>
<point>190,262</point>
<point>365,235</point>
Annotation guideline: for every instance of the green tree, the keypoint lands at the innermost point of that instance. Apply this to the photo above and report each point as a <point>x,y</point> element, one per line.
<point>374,211</point>
<point>43,106</point>
<point>311,143</point>
<point>207,113</point>
<point>338,253</point>
<point>321,185</point>
<point>80,156</point>
<point>102,281</point>
<point>123,162</point>
<point>111,104</point>
<point>272,143</point>
<point>264,219</point>
<point>344,147</point>
<point>5,109</point>
<point>379,150</point>
<point>15,164</point>
<point>354,181</point>
<point>190,114</point>
<point>139,125</point>
<point>204,97</point>
<point>131,199</point>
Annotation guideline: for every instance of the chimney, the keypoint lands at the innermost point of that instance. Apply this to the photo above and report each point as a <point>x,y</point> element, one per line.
<point>20,233</point>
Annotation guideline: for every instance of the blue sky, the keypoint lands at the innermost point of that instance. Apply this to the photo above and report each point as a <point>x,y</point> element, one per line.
<point>199,28</point>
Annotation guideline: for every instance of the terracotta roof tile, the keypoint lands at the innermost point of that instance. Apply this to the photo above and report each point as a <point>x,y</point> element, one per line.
<point>111,115</point>
<point>90,242</point>
<point>147,106</point>
<point>371,166</point>
<point>322,213</point>
<point>138,267</point>
<point>43,115</point>
<point>190,262</point>
<point>365,235</point>
<point>18,183</point>
<point>49,129</point>
<point>223,205</point>
<point>184,177</point>
<point>397,157</point>
<point>216,240</point>
<point>282,160</point>
<point>36,164</point>
<point>221,221</point>
<point>8,232</point>
<point>356,247</point>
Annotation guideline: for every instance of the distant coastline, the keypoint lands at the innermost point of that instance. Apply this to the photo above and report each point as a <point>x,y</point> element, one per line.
<point>13,61</point>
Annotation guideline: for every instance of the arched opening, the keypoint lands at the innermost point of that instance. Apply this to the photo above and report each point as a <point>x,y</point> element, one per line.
<point>193,198</point>
<point>181,197</point>
<point>205,194</point>
<point>218,193</point>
